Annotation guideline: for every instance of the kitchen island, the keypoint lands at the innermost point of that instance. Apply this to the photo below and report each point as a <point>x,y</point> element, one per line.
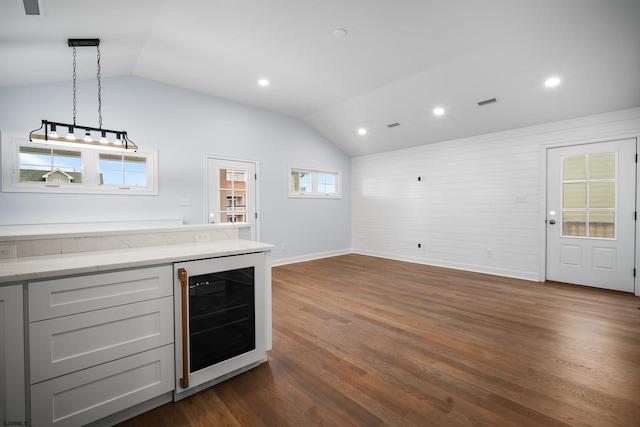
<point>89,333</point>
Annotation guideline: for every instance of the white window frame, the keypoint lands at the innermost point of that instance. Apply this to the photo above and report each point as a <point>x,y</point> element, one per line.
<point>314,193</point>
<point>90,170</point>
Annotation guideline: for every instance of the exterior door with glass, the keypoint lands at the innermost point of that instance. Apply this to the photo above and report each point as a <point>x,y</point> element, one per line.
<point>591,214</point>
<point>232,193</point>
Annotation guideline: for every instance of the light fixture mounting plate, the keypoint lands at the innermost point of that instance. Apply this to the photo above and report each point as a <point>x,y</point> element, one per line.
<point>83,42</point>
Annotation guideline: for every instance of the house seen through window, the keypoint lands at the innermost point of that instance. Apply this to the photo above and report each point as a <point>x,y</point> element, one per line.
<point>42,164</point>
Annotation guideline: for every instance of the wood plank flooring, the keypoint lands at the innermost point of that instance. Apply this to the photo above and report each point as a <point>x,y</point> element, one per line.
<point>363,341</point>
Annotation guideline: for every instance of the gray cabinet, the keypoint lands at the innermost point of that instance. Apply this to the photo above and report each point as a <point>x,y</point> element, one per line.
<point>12,378</point>
<point>99,344</point>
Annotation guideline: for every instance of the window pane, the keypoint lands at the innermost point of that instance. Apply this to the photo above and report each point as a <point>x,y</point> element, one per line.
<point>602,195</point>
<point>574,168</point>
<point>602,166</point>
<point>135,171</point>
<point>326,183</point>
<point>574,223</point>
<point>574,195</point>
<point>120,170</point>
<point>300,182</point>
<point>602,224</point>
<point>50,165</point>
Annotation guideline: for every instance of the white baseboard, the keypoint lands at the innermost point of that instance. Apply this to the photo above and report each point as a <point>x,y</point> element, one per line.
<point>309,257</point>
<point>516,274</point>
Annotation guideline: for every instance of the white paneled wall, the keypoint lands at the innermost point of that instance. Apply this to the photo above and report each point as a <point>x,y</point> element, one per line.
<point>479,204</point>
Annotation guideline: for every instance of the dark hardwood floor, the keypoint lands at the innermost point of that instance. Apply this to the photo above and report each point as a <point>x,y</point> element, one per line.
<point>365,341</point>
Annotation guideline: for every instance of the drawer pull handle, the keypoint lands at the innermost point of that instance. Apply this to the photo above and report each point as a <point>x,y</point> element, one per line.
<point>184,381</point>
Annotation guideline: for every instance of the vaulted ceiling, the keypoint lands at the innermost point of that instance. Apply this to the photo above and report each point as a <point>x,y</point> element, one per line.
<point>342,65</point>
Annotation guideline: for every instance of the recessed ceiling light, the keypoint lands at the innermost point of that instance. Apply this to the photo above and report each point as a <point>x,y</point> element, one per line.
<point>552,82</point>
<point>340,33</point>
<point>263,82</point>
<point>362,131</point>
<point>438,111</point>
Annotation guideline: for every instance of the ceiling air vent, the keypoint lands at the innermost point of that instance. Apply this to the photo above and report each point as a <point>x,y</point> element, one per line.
<point>487,102</point>
<point>392,125</point>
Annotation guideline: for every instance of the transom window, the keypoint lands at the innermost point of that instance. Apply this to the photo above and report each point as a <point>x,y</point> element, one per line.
<point>123,170</point>
<point>63,168</point>
<point>308,182</point>
<point>44,164</point>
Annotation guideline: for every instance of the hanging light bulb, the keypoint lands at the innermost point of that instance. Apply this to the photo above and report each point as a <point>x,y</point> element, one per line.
<point>87,136</point>
<point>103,138</point>
<point>118,138</point>
<point>71,136</point>
<point>52,132</point>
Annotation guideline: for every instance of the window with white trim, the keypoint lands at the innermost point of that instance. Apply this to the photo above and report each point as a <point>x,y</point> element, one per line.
<point>311,182</point>
<point>54,167</point>
<point>123,170</point>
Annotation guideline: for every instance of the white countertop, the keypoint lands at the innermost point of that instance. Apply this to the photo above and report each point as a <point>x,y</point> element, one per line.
<point>20,270</point>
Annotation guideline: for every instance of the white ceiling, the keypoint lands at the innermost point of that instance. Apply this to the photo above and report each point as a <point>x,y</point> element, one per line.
<point>399,60</point>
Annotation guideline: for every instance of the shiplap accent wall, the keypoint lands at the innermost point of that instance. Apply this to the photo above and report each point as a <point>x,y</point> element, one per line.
<point>480,201</point>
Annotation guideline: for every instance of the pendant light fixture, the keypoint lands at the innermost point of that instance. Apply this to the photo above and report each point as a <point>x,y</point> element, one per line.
<point>92,135</point>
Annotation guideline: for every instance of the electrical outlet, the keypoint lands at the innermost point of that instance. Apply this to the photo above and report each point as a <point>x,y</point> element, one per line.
<point>203,237</point>
<point>490,252</point>
<point>8,251</point>
<point>521,198</point>
<point>184,201</point>
<point>283,247</point>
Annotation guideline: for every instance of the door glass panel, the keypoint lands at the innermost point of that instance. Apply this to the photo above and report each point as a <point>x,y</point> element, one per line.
<point>602,166</point>
<point>574,223</point>
<point>602,195</point>
<point>589,195</point>
<point>602,224</point>
<point>233,195</point>
<point>574,168</point>
<point>575,195</point>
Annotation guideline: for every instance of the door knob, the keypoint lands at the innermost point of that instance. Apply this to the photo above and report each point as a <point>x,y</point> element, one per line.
<point>552,221</point>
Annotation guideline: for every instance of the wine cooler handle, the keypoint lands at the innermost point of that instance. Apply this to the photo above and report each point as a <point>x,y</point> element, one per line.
<point>184,381</point>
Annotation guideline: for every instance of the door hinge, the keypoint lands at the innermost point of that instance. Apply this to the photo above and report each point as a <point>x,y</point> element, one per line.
<point>255,176</point>
<point>634,272</point>
<point>256,215</point>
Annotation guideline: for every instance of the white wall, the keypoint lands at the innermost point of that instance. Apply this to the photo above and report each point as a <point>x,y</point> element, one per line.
<point>465,207</point>
<point>184,126</point>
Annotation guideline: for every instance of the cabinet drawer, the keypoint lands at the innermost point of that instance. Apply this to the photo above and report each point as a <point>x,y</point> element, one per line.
<point>62,297</point>
<point>66,344</point>
<point>89,395</point>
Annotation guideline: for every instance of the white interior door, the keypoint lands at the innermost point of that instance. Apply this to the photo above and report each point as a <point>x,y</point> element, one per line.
<point>591,214</point>
<point>232,195</point>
